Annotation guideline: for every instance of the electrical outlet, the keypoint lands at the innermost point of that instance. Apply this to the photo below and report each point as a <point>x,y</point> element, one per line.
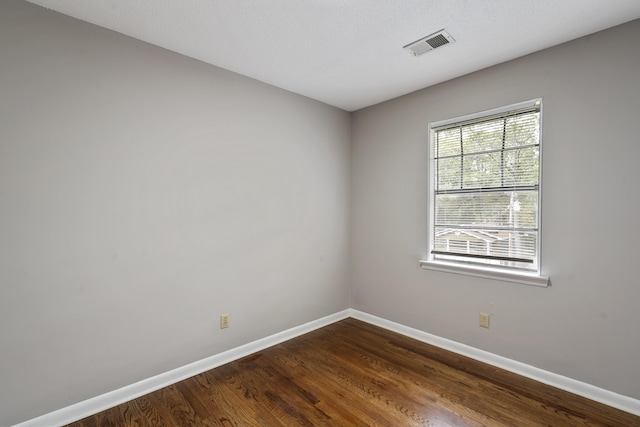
<point>224,321</point>
<point>484,320</point>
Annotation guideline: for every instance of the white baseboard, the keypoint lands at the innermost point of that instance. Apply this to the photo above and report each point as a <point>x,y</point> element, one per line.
<point>108,400</point>
<point>589,391</point>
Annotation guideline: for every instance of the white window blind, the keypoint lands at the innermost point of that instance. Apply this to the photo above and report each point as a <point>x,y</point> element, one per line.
<point>486,188</point>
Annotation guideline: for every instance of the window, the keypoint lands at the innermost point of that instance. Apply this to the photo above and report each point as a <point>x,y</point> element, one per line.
<point>485,190</point>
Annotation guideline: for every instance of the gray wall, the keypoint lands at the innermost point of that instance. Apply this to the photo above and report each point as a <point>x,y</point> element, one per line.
<point>586,325</point>
<point>142,194</point>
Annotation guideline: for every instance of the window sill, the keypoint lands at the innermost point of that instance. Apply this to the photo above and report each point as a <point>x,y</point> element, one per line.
<point>486,273</point>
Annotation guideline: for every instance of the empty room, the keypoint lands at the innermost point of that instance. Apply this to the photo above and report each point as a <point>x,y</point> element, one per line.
<point>279,212</point>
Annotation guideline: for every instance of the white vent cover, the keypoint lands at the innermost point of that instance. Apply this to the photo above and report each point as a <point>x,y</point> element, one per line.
<point>429,43</point>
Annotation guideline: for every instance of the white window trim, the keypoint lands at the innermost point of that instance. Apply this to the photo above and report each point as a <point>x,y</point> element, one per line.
<point>524,278</point>
<point>533,278</point>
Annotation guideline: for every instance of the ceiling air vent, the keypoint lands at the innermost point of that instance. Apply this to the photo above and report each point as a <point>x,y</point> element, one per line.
<point>429,43</point>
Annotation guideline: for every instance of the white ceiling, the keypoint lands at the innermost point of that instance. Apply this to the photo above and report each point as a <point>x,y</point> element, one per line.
<point>348,53</point>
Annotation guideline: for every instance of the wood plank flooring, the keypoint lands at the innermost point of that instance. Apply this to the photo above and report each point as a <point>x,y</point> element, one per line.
<point>354,374</point>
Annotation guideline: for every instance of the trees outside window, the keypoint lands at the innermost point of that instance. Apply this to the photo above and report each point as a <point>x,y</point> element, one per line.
<point>485,188</point>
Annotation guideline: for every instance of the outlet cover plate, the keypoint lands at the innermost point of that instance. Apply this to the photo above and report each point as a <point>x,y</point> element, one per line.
<point>224,321</point>
<point>484,320</point>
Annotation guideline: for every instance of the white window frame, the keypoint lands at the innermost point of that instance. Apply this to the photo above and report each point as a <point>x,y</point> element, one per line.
<point>533,277</point>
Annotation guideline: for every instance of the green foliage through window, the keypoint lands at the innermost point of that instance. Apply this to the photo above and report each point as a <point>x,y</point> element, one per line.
<point>486,177</point>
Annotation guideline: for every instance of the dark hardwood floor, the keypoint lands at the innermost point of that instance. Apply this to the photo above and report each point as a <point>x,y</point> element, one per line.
<point>355,374</point>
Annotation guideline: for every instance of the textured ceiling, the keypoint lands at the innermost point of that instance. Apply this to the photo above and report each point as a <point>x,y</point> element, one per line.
<point>348,53</point>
